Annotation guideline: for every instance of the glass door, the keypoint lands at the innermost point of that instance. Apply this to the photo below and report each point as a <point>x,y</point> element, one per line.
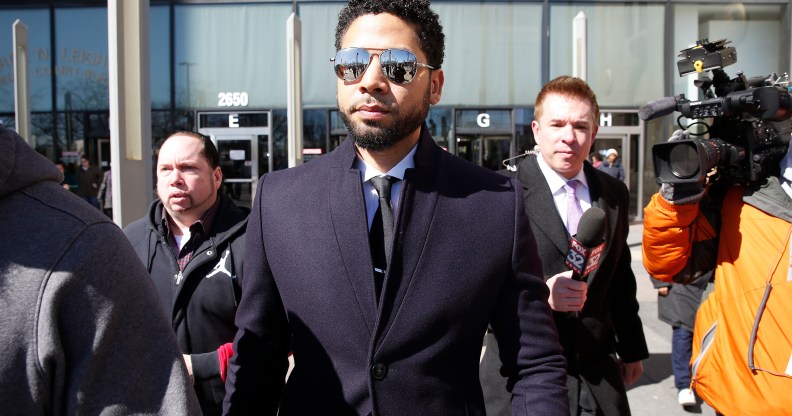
<point>244,141</point>
<point>495,150</point>
<point>103,147</point>
<point>468,147</point>
<point>626,146</point>
<point>487,151</point>
<point>604,143</point>
<point>239,165</point>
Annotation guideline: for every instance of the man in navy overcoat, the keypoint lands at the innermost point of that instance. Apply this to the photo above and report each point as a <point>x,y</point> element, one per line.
<point>404,339</point>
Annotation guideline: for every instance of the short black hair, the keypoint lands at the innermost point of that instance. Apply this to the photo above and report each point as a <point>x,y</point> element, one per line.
<point>417,12</point>
<point>209,151</point>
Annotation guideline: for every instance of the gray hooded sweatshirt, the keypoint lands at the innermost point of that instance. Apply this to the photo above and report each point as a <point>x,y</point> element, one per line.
<point>81,329</point>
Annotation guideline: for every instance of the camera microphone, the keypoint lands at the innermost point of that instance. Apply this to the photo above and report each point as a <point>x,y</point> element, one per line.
<point>586,247</point>
<point>658,108</point>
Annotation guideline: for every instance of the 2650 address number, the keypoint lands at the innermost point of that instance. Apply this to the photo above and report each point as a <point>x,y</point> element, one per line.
<point>232,99</point>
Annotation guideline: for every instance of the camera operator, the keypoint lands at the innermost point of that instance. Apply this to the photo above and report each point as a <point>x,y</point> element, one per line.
<point>742,357</point>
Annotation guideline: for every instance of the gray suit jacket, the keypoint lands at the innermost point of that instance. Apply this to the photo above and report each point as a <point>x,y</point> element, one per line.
<point>463,256</point>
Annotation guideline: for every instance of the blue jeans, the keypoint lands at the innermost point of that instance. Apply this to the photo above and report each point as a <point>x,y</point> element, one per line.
<point>681,350</point>
<point>91,200</point>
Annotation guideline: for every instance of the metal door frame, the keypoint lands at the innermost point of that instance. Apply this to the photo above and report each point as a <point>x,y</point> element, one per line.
<point>245,133</point>
<point>624,133</point>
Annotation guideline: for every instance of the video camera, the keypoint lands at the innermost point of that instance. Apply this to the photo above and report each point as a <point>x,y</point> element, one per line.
<point>751,126</point>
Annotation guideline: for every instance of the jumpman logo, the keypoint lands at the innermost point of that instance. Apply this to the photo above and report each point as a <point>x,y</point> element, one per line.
<point>221,267</point>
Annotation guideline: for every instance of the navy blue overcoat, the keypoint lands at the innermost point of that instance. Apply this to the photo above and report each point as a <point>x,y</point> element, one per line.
<point>464,257</point>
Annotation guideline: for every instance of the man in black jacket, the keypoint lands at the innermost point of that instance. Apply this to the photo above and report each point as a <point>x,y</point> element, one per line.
<point>192,244</point>
<point>597,318</point>
<point>89,178</point>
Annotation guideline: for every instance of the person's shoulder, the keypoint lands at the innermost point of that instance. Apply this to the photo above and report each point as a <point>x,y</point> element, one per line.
<point>466,173</point>
<point>607,179</point>
<point>309,175</point>
<point>144,223</point>
<point>462,166</point>
<point>137,229</point>
<point>64,217</point>
<point>231,219</point>
<point>61,205</point>
<point>314,166</point>
<point>518,164</point>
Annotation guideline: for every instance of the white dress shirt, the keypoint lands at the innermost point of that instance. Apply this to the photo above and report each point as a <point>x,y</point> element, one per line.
<point>557,182</point>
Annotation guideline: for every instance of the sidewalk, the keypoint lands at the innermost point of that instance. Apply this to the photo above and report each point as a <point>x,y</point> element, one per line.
<point>654,394</point>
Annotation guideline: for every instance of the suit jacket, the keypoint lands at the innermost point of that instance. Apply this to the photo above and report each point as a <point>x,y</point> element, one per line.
<point>463,256</point>
<point>609,321</point>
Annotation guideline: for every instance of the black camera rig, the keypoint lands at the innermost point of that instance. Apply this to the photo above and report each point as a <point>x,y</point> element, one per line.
<point>750,129</point>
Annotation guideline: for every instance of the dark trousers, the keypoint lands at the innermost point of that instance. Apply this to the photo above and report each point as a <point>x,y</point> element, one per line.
<point>604,379</point>
<point>91,200</point>
<point>497,400</point>
<point>681,350</point>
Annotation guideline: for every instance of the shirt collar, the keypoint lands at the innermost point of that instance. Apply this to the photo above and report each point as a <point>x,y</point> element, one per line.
<point>204,224</point>
<point>367,172</point>
<point>556,181</point>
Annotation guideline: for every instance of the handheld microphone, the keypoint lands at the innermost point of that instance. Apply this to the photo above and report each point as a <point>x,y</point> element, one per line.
<point>658,108</point>
<point>586,247</point>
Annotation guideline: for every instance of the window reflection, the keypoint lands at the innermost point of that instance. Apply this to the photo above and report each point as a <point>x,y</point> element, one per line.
<point>81,58</point>
<point>39,62</point>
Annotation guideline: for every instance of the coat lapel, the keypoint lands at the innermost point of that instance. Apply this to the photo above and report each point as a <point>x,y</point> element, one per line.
<point>418,201</point>
<point>347,211</point>
<point>600,197</point>
<point>541,209</point>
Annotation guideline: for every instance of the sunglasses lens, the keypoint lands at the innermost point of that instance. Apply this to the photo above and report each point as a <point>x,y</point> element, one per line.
<point>399,65</point>
<point>351,63</point>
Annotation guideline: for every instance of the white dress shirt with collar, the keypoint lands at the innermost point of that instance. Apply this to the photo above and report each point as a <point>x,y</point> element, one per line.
<point>557,182</point>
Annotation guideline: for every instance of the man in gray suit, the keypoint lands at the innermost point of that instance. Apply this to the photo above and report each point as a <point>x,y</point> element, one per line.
<point>386,317</point>
<point>597,318</point>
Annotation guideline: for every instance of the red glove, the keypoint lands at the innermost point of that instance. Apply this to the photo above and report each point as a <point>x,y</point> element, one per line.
<point>224,354</point>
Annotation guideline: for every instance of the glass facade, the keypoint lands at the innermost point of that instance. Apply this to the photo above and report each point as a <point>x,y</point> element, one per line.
<point>39,59</point>
<point>81,59</point>
<point>221,49</point>
<point>231,56</point>
<point>493,53</point>
<point>160,50</point>
<point>625,56</point>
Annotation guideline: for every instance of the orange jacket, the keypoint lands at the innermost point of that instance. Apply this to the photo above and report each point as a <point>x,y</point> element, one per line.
<point>734,370</point>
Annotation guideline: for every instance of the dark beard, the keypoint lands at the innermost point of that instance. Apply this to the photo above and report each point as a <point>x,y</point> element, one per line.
<point>380,136</point>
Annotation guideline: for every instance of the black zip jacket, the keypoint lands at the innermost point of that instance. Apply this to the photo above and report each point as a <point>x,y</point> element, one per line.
<point>201,307</point>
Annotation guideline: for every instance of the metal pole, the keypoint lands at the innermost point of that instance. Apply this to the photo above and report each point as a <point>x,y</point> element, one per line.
<point>130,109</point>
<point>579,46</point>
<point>294,88</point>
<point>21,83</point>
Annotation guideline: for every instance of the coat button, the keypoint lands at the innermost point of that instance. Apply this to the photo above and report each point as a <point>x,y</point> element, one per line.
<point>379,370</point>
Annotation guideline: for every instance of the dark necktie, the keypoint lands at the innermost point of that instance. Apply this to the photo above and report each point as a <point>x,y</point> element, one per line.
<point>574,210</point>
<point>381,233</point>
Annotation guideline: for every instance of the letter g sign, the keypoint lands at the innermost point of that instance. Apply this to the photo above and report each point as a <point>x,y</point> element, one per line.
<point>483,120</point>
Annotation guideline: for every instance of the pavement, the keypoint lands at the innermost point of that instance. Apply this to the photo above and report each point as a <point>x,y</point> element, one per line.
<point>654,393</point>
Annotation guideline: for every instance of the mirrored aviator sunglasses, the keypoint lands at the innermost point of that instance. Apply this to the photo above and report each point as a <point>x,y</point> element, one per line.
<point>398,65</point>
